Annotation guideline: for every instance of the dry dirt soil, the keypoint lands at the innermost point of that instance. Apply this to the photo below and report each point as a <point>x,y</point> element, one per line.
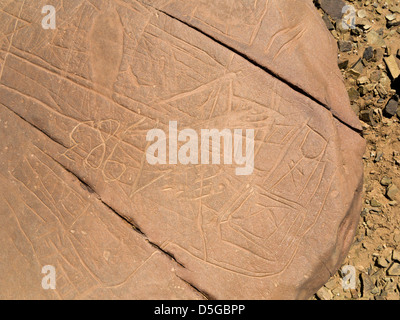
<point>368,57</point>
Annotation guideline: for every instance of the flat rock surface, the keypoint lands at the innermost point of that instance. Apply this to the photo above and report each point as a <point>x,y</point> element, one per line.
<point>282,36</point>
<point>77,193</point>
<point>333,7</point>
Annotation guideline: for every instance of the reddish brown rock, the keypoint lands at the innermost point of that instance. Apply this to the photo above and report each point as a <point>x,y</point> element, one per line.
<point>333,7</point>
<point>78,193</point>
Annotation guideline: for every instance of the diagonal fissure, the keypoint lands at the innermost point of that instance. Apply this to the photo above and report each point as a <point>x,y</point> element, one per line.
<point>36,127</point>
<point>125,218</point>
<point>86,186</point>
<point>258,65</point>
<point>206,295</point>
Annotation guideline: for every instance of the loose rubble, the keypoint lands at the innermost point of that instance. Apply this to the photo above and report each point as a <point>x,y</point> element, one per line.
<point>369,58</point>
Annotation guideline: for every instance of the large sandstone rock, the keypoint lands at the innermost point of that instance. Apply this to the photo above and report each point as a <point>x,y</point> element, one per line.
<point>77,191</point>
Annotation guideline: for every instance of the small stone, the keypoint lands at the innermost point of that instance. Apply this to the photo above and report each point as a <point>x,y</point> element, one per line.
<point>379,155</point>
<point>370,87</point>
<point>375,203</point>
<point>324,294</point>
<point>366,116</point>
<point>361,14</point>
<point>333,8</point>
<point>341,28</point>
<point>343,64</point>
<point>382,262</point>
<point>396,255</point>
<point>367,284</point>
<point>394,269</point>
<point>328,22</point>
<point>392,66</point>
<point>345,46</point>
<point>374,38</point>
<point>390,17</point>
<point>375,75</point>
<point>381,90</point>
<point>386,181</point>
<point>393,23</point>
<point>392,191</point>
<point>375,290</point>
<point>354,74</point>
<point>358,66</point>
<point>331,284</point>
<point>391,107</point>
<point>362,80</point>
<point>356,108</point>
<point>353,94</point>
<point>367,27</point>
<point>368,53</point>
<point>385,81</point>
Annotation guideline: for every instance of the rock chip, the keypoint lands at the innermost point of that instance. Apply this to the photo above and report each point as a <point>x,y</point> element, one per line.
<point>394,269</point>
<point>361,14</point>
<point>343,64</point>
<point>367,284</point>
<point>333,8</point>
<point>353,94</point>
<point>396,255</point>
<point>376,39</point>
<point>390,17</point>
<point>382,262</point>
<point>375,75</point>
<point>393,23</point>
<point>362,80</point>
<point>392,191</point>
<point>368,53</point>
<point>345,46</point>
<point>375,203</point>
<point>324,294</point>
<point>328,22</point>
<point>391,107</point>
<point>392,66</point>
<point>386,181</point>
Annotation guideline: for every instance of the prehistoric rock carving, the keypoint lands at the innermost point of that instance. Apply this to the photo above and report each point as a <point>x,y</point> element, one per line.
<point>77,193</point>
